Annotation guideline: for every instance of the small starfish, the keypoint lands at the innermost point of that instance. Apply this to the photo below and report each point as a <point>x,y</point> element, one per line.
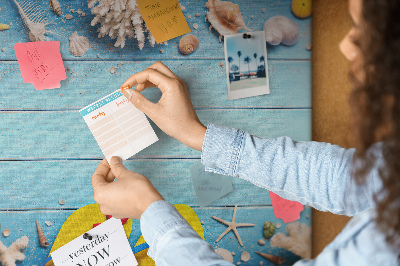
<point>231,226</point>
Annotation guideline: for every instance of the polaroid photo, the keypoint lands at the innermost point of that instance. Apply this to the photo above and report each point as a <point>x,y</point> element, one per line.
<point>246,64</point>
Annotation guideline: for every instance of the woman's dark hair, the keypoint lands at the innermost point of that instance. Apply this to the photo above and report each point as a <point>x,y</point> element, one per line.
<point>375,103</point>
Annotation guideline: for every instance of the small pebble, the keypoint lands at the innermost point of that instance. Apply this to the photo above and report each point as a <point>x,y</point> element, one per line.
<point>309,47</point>
<point>182,7</point>
<point>263,10</point>
<point>245,256</point>
<point>113,70</point>
<point>278,225</point>
<point>83,14</point>
<point>307,216</point>
<point>68,68</point>
<point>161,51</point>
<point>79,11</point>
<point>252,16</point>
<point>61,202</point>
<point>233,253</point>
<point>48,223</point>
<point>202,222</point>
<point>3,49</point>
<point>10,24</point>
<point>261,242</point>
<point>6,232</point>
<point>98,55</point>
<point>68,16</point>
<point>221,64</point>
<point>197,14</point>
<point>238,263</point>
<point>195,26</point>
<point>261,263</point>
<point>189,16</point>
<point>72,11</point>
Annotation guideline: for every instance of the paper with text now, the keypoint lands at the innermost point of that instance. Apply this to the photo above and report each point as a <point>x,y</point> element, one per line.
<point>284,209</point>
<point>164,18</point>
<point>108,246</point>
<point>118,126</point>
<point>41,64</point>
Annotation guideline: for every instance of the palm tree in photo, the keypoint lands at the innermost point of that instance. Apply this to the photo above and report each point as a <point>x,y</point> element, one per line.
<point>239,55</point>
<point>262,59</point>
<point>247,60</point>
<point>230,59</point>
<point>255,57</point>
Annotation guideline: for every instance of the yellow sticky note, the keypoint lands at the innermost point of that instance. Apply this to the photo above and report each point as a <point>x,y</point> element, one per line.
<point>164,18</point>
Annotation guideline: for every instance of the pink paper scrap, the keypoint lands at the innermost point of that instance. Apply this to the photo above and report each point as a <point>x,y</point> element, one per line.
<point>284,209</point>
<point>41,64</point>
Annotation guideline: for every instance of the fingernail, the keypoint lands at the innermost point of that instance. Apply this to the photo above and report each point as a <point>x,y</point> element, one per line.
<point>115,160</point>
<point>129,93</point>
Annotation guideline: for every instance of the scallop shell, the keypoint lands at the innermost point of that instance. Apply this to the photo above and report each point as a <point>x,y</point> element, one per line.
<point>78,45</point>
<point>225,17</point>
<point>4,26</point>
<point>272,258</point>
<point>42,239</point>
<point>188,44</point>
<point>280,29</point>
<point>55,5</point>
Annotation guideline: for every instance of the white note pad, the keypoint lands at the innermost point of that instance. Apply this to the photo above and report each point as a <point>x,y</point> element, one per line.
<point>118,126</point>
<point>108,246</point>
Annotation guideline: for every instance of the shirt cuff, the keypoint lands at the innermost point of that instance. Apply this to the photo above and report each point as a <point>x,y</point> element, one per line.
<point>158,219</point>
<point>222,148</point>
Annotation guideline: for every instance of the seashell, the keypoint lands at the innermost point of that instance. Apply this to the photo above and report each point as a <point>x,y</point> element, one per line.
<point>34,20</point>
<point>261,242</point>
<point>301,8</point>
<point>42,239</point>
<point>55,6</point>
<point>272,258</point>
<point>280,29</point>
<point>6,232</point>
<point>225,17</point>
<point>245,256</point>
<point>195,26</point>
<point>3,49</point>
<point>269,229</point>
<point>4,26</point>
<point>188,44</point>
<point>278,225</point>
<point>78,45</point>
<point>68,16</point>
<point>225,254</point>
<point>197,15</point>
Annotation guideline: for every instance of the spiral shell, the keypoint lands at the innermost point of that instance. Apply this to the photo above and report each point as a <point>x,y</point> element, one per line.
<point>269,229</point>
<point>55,5</point>
<point>272,258</point>
<point>280,29</point>
<point>42,239</point>
<point>225,17</point>
<point>78,45</point>
<point>188,44</point>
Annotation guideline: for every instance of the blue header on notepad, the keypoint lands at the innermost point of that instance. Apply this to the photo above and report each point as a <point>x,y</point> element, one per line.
<point>100,103</point>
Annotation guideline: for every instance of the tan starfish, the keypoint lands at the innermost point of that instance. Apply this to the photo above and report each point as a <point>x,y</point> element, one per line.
<point>231,226</point>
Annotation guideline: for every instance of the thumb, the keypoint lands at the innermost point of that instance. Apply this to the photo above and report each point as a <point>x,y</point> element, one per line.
<point>138,100</point>
<point>117,167</point>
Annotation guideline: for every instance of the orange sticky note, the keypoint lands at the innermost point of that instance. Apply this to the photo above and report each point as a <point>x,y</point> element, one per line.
<point>41,64</point>
<point>164,18</point>
<point>284,209</point>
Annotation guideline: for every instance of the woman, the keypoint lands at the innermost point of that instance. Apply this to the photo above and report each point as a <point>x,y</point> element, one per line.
<point>363,183</point>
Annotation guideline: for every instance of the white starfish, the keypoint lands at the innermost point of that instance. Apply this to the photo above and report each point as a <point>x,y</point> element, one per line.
<point>231,226</point>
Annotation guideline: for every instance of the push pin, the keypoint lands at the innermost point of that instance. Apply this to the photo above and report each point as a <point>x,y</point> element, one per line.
<point>88,236</point>
<point>246,36</point>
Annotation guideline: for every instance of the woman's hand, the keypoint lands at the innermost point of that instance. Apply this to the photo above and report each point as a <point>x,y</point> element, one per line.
<point>127,197</point>
<point>174,113</point>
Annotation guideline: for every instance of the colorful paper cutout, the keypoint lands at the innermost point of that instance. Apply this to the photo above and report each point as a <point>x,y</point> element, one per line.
<point>209,186</point>
<point>41,64</point>
<point>284,209</point>
<point>164,18</point>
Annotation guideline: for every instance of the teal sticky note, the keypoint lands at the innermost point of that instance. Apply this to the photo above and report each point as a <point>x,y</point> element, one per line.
<point>209,186</point>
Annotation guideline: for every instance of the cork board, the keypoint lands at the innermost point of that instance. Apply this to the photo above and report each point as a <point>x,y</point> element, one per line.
<point>331,89</point>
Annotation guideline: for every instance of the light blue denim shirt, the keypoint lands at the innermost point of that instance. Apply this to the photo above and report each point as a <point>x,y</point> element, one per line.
<point>312,173</point>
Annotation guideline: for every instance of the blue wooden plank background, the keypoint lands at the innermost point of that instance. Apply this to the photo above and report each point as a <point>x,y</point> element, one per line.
<point>47,153</point>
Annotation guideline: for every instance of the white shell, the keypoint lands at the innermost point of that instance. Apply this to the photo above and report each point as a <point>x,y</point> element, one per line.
<point>6,232</point>
<point>280,29</point>
<point>78,45</point>
<point>225,254</point>
<point>245,256</point>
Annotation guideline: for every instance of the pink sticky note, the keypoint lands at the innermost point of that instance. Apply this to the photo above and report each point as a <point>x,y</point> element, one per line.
<point>284,209</point>
<point>41,64</point>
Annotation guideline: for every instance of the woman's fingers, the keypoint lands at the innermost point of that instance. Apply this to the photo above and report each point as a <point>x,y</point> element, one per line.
<point>100,174</point>
<point>159,80</point>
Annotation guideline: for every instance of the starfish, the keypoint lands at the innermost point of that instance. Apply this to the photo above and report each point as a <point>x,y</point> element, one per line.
<point>231,226</point>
